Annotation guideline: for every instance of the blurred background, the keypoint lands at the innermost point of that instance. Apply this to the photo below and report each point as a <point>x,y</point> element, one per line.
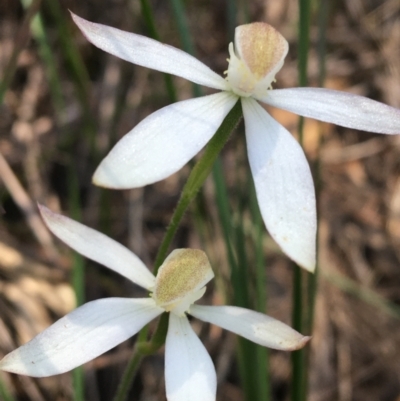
<point>64,104</point>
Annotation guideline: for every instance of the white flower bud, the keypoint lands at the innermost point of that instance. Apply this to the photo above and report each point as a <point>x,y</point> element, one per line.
<point>255,59</point>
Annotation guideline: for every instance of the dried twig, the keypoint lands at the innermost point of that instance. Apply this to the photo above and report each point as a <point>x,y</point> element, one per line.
<point>24,202</point>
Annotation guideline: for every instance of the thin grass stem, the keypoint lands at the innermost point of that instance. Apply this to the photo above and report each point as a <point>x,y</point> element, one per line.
<point>299,368</point>
<point>47,56</point>
<point>128,376</point>
<point>262,353</point>
<point>78,276</point>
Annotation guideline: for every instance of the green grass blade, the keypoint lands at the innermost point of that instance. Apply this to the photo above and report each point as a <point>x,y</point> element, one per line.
<point>186,37</point>
<point>47,56</point>
<point>262,353</point>
<point>147,14</point>
<point>298,389</point>
<point>365,294</point>
<point>231,17</point>
<point>223,206</point>
<point>323,14</point>
<point>299,368</point>
<point>78,276</point>
<point>78,71</point>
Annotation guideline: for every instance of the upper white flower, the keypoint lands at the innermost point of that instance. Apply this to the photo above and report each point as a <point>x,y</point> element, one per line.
<point>167,139</point>
<point>98,326</point>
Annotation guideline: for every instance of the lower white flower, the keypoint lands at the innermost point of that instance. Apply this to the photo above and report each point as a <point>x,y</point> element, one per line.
<point>98,326</point>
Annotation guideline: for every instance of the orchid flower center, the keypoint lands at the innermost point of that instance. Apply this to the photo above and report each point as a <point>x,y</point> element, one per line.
<point>256,57</point>
<point>181,280</point>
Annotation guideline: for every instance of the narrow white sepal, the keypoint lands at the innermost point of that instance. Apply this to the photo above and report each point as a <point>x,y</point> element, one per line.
<point>81,336</point>
<point>254,326</point>
<point>163,142</point>
<point>284,185</point>
<point>189,371</point>
<point>98,247</point>
<point>341,108</point>
<point>149,53</point>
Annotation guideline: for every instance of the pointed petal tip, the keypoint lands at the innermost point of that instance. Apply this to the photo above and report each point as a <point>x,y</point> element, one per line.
<point>309,266</point>
<point>98,247</point>
<point>3,364</point>
<point>84,25</point>
<point>149,53</point>
<point>301,343</point>
<point>337,107</point>
<point>78,20</point>
<point>102,180</point>
<point>96,180</point>
<point>11,364</point>
<point>159,145</point>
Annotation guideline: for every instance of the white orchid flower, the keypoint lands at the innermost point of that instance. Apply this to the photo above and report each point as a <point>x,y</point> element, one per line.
<point>167,139</point>
<point>98,326</point>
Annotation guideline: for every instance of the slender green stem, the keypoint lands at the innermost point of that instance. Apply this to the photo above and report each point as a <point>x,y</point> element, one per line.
<point>79,74</point>
<point>323,14</point>
<point>298,357</point>
<point>141,349</point>
<point>304,41</point>
<point>221,198</point>
<point>148,16</point>
<point>78,276</point>
<point>47,55</point>
<point>197,177</point>
<point>129,375</point>
<point>72,56</point>
<point>186,38</point>
<point>241,283</point>
<point>261,296</point>
<point>195,180</point>
<point>365,294</point>
<point>231,17</point>
<point>193,184</point>
<point>158,339</point>
<point>299,376</point>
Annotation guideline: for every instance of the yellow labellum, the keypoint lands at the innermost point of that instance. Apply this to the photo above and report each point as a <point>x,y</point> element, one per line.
<point>260,46</point>
<point>255,59</point>
<point>181,276</point>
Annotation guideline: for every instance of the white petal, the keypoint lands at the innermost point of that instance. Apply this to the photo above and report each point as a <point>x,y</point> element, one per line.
<point>163,142</point>
<point>149,53</point>
<point>284,185</point>
<point>341,108</point>
<point>98,247</point>
<point>254,326</point>
<point>189,371</point>
<point>81,336</point>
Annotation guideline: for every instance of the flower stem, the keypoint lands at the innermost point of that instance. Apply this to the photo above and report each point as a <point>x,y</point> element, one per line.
<point>128,376</point>
<point>158,339</point>
<point>141,349</point>
<point>197,177</point>
<point>299,366</point>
